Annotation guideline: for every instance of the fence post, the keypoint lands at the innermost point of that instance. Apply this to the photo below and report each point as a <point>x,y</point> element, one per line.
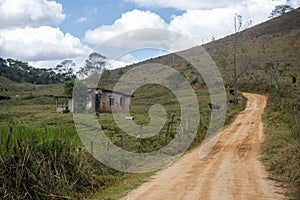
<point>188,125</point>
<point>177,127</point>
<point>92,147</point>
<point>168,129</point>
<point>108,146</point>
<point>9,134</point>
<point>123,147</point>
<point>0,139</point>
<point>159,132</point>
<point>172,124</point>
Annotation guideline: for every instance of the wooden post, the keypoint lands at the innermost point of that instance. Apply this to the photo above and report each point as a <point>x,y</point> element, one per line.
<point>172,124</point>
<point>92,147</point>
<point>168,129</point>
<point>177,127</point>
<point>9,134</point>
<point>141,134</point>
<point>56,102</point>
<point>188,125</point>
<point>159,132</point>
<point>108,146</point>
<point>0,140</point>
<point>123,147</point>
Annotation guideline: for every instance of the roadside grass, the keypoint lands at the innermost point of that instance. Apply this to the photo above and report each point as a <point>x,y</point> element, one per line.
<point>122,187</point>
<point>281,153</point>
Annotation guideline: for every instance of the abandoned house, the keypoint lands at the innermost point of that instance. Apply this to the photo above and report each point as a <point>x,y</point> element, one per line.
<point>98,100</point>
<point>67,102</point>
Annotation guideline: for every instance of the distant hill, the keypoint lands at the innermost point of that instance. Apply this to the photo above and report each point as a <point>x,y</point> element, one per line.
<point>277,39</point>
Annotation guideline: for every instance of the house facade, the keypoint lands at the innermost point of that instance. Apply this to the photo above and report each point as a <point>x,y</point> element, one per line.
<point>110,101</point>
<point>97,100</point>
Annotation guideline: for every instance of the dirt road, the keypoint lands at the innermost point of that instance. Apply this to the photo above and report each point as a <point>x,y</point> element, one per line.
<point>230,171</point>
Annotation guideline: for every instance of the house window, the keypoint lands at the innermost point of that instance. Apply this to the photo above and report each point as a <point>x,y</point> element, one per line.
<point>122,101</point>
<point>111,101</point>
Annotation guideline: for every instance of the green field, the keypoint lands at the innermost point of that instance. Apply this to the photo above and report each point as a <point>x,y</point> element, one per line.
<point>43,156</point>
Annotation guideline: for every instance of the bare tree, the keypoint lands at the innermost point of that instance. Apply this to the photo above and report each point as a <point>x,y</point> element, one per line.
<point>236,62</point>
<point>240,62</point>
<point>277,70</point>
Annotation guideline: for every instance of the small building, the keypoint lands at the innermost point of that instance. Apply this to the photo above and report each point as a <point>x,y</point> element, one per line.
<point>111,101</point>
<point>67,102</point>
<point>97,100</point>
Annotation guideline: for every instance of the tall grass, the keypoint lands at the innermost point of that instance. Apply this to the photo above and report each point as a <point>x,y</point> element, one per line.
<point>43,164</point>
<point>282,147</point>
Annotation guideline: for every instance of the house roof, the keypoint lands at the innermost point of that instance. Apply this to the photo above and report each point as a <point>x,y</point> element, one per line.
<point>111,91</point>
<point>69,96</point>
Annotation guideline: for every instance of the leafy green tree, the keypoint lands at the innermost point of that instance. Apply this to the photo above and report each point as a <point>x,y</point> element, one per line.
<point>280,10</point>
<point>68,86</point>
<point>94,65</point>
<point>22,72</point>
<point>66,69</point>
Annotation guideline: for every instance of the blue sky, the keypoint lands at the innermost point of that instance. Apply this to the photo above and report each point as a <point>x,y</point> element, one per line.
<point>46,32</point>
<point>89,14</point>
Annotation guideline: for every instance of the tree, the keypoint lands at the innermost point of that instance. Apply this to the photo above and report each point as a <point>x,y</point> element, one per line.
<point>281,9</point>
<point>277,70</point>
<point>240,63</point>
<point>238,69</point>
<point>237,27</point>
<point>66,69</point>
<point>68,86</point>
<point>94,65</point>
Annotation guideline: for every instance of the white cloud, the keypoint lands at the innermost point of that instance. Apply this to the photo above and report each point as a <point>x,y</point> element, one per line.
<point>198,25</point>
<point>128,58</point>
<point>132,20</point>
<point>115,64</point>
<point>186,4</point>
<point>202,25</point>
<point>81,20</point>
<point>294,3</point>
<point>21,13</point>
<point>40,44</point>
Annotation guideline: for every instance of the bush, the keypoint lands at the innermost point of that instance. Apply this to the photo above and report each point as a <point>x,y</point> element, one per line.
<point>3,88</point>
<point>28,97</point>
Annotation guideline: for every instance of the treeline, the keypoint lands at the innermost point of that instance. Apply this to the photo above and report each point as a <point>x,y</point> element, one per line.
<point>22,72</point>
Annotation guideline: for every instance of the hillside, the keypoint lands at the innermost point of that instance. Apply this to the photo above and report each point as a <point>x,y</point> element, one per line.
<point>275,40</point>
<point>274,43</point>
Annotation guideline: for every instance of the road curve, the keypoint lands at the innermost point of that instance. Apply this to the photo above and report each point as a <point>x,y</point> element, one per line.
<point>230,171</point>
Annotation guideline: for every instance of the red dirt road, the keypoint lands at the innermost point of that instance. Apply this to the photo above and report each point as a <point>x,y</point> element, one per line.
<point>230,171</point>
